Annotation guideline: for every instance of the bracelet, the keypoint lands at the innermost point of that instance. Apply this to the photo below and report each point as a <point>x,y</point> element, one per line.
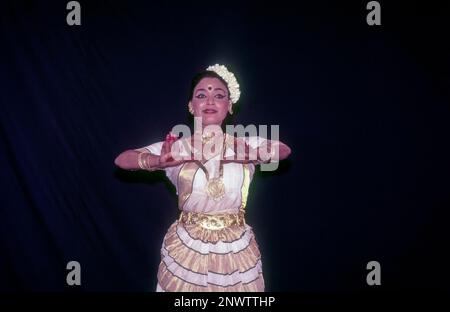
<point>144,163</point>
<point>269,160</point>
<point>266,161</point>
<point>141,165</point>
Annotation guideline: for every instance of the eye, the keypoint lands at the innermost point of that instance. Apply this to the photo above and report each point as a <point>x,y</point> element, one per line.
<point>200,96</point>
<point>219,96</point>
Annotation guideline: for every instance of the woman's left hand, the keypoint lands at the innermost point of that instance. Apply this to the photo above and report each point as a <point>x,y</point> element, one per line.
<point>243,153</point>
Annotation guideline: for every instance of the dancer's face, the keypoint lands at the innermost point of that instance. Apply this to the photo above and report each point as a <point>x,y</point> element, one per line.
<point>210,101</point>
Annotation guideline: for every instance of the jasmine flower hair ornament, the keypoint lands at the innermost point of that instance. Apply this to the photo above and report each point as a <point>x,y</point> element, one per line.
<point>229,78</point>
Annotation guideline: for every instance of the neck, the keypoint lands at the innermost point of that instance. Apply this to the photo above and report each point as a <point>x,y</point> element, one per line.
<point>207,130</point>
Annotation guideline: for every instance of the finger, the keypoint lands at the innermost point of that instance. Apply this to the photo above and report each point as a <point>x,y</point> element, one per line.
<point>168,145</point>
<point>240,150</point>
<point>164,148</point>
<point>168,142</point>
<point>174,163</point>
<point>172,139</point>
<point>246,154</point>
<point>166,158</point>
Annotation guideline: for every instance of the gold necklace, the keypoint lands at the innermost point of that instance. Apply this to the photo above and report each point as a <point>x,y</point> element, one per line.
<point>207,137</point>
<point>215,188</point>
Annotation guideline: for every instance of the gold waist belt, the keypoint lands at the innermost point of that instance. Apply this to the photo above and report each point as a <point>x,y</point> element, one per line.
<point>212,221</point>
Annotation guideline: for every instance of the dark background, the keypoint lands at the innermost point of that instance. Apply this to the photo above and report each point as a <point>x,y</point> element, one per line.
<point>364,109</point>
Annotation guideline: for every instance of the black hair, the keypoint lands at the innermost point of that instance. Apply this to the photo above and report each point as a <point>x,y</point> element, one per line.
<point>204,74</point>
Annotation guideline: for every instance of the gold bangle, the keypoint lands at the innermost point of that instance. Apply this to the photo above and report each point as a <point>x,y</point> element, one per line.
<point>259,160</point>
<point>269,160</point>
<point>144,162</point>
<point>140,160</point>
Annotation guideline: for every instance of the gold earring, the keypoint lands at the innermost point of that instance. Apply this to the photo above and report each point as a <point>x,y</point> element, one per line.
<point>230,109</point>
<point>191,110</point>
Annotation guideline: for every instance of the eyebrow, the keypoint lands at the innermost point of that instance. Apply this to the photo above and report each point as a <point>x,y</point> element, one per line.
<point>216,89</point>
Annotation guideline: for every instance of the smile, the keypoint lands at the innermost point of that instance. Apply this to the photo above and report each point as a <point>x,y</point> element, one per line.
<point>209,111</point>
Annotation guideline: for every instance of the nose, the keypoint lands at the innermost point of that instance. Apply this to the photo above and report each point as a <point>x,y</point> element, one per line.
<point>210,100</point>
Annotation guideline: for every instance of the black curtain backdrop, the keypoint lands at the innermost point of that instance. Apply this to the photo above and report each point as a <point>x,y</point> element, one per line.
<point>364,109</point>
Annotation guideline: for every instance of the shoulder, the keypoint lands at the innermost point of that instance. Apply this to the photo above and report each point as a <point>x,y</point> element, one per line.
<point>154,148</point>
<point>254,141</point>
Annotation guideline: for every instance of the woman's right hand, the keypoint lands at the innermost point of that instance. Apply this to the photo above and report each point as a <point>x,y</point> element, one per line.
<point>166,158</point>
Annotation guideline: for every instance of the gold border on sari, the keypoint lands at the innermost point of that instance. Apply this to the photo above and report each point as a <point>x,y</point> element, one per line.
<point>185,182</point>
<point>245,187</point>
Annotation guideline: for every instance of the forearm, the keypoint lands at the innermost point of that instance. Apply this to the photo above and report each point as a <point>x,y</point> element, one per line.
<point>272,151</point>
<point>269,151</point>
<point>130,160</point>
<point>283,150</point>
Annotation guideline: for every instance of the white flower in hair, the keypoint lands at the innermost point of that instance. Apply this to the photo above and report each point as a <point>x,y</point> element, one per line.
<point>229,78</point>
